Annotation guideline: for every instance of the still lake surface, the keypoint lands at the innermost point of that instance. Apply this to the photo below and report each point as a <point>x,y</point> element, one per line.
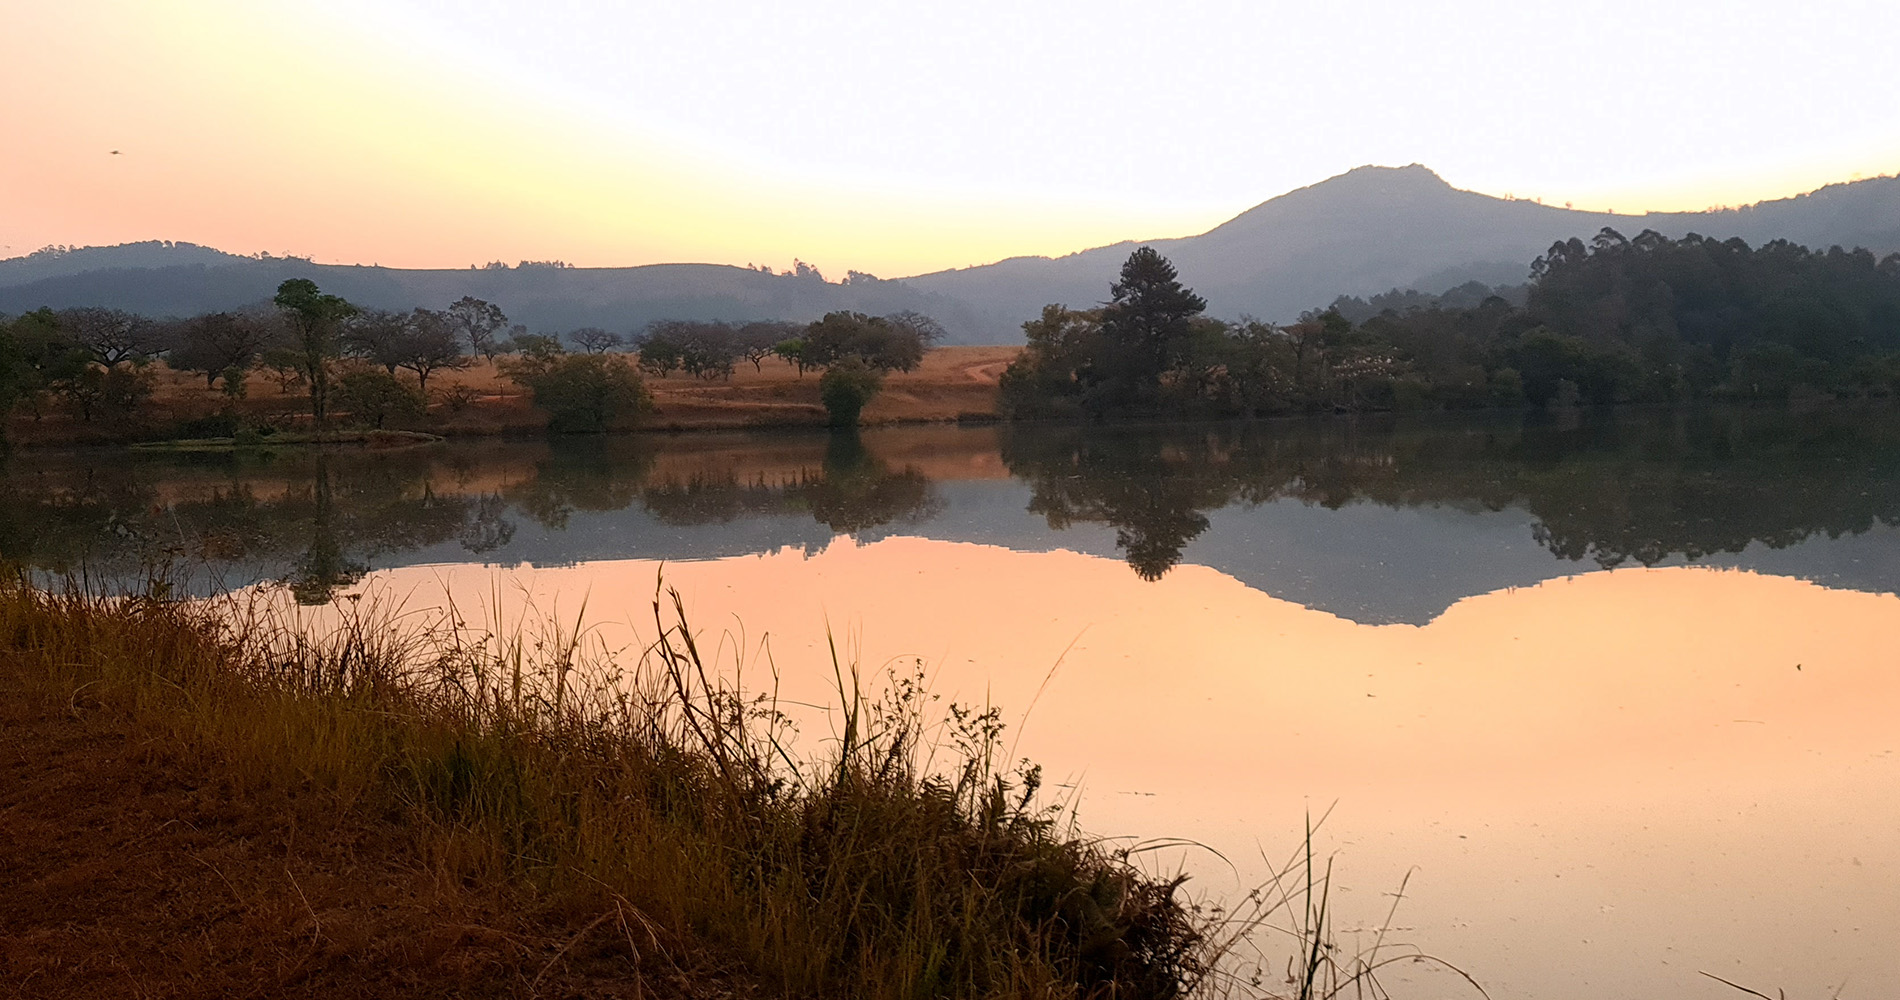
<point>1621,695</point>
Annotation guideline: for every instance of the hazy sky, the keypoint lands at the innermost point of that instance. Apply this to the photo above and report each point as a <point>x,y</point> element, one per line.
<point>889,137</point>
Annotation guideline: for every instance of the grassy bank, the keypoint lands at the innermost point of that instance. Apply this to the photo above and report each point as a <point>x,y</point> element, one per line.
<point>952,383</point>
<point>663,805</point>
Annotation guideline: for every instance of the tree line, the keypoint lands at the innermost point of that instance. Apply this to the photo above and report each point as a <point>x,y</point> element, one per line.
<point>1648,320</point>
<point>376,365</point>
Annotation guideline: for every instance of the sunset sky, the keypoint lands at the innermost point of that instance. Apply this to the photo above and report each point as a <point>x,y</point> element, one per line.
<point>891,138</point>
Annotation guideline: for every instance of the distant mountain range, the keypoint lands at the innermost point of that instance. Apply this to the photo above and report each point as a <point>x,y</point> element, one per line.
<point>1374,229</point>
<point>1366,231</point>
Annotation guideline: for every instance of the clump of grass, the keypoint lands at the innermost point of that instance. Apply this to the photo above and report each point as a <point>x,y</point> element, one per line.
<point>651,795</point>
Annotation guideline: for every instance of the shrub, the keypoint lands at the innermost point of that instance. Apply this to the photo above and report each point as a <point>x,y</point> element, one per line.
<point>845,388</point>
<point>585,393</point>
<point>374,396</point>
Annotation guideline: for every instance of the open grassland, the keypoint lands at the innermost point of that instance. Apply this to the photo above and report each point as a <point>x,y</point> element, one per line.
<point>952,383</point>
<point>202,801</point>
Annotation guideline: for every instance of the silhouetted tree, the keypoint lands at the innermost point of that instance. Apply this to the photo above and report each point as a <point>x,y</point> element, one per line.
<point>428,344</point>
<point>595,340</point>
<point>478,323</point>
<point>314,319</point>
<point>113,336</point>
<point>1145,329</point>
<point>759,340</point>
<point>218,345</point>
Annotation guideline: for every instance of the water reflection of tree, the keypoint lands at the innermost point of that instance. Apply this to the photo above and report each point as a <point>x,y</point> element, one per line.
<point>858,492</point>
<point>1643,488</point>
<point>589,473</point>
<point>1640,489</point>
<point>317,527</point>
<point>1151,488</point>
<point>853,491</point>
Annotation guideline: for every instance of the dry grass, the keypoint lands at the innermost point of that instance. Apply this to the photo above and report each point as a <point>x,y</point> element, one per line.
<point>952,383</point>
<point>654,806</point>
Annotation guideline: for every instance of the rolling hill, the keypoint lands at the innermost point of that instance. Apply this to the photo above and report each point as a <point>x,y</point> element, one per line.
<point>1365,231</point>
<point>1377,228</point>
<point>180,279</point>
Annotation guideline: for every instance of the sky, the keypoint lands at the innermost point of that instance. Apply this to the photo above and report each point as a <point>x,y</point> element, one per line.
<point>893,138</point>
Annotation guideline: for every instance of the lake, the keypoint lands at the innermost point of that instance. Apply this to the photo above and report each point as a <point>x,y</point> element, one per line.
<point>1614,698</point>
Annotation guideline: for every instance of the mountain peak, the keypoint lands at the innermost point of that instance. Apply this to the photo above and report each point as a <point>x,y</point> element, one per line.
<point>1416,172</point>
<point>1410,181</point>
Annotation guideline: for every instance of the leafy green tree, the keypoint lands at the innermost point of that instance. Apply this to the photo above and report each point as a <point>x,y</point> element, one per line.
<point>315,319</point>
<point>702,349</point>
<point>43,355</point>
<point>794,351</point>
<point>877,341</point>
<point>846,387</point>
<point>1048,378</point>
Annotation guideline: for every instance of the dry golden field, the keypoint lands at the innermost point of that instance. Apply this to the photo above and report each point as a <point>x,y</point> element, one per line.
<point>952,383</point>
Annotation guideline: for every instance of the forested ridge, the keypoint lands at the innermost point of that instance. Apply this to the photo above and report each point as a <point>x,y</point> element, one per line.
<point>1649,320</point>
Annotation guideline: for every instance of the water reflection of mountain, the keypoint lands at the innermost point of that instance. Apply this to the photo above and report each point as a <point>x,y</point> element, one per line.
<point>1375,521</point>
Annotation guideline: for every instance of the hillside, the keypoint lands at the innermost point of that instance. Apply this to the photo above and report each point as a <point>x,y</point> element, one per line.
<point>1377,228</point>
<point>179,279</point>
<point>1363,232</point>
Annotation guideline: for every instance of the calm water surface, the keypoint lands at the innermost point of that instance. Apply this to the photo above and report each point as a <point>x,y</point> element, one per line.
<point>1620,695</point>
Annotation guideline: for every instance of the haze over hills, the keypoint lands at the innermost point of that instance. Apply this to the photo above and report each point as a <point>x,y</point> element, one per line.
<point>181,279</point>
<point>1363,232</point>
<point>1373,229</point>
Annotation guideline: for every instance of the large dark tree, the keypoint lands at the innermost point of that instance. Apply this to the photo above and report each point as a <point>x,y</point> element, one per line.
<point>1149,313</point>
<point>429,345</point>
<point>879,342</point>
<point>114,336</point>
<point>315,319</point>
<point>1113,362</point>
<point>218,345</point>
<point>480,323</point>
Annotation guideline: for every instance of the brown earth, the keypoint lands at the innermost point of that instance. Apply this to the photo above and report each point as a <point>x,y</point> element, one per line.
<point>952,383</point>
<point>133,867</point>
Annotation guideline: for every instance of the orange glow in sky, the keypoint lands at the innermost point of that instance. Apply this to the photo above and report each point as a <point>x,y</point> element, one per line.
<point>420,134</point>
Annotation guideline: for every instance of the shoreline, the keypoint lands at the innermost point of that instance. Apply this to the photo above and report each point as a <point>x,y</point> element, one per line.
<point>359,823</point>
<point>952,385</point>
